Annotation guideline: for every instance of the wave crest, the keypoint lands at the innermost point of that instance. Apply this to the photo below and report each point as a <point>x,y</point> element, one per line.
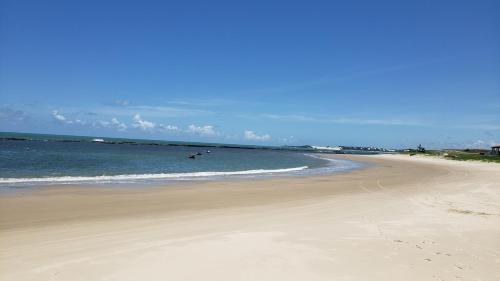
<point>173,176</point>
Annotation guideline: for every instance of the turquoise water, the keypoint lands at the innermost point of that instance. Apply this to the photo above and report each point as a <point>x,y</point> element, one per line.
<point>45,160</point>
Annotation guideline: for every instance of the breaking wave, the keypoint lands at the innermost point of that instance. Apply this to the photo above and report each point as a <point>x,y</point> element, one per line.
<point>132,177</point>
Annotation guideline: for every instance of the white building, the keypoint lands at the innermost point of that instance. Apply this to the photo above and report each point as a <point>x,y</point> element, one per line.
<point>331,148</point>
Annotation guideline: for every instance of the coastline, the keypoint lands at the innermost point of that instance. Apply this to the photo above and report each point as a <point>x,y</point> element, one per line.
<point>402,218</point>
<point>163,179</point>
<point>87,163</point>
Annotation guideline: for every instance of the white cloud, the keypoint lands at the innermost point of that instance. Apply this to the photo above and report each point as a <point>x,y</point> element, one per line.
<point>61,118</point>
<point>168,127</point>
<point>118,125</point>
<point>357,121</point>
<point>251,135</point>
<point>336,120</point>
<point>142,124</point>
<point>480,144</point>
<point>291,117</point>
<point>490,125</point>
<point>289,140</point>
<point>152,111</point>
<point>114,123</point>
<point>206,130</point>
<point>102,123</point>
<point>122,102</point>
<point>204,102</point>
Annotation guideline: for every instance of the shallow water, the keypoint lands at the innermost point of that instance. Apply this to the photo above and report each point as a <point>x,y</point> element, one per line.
<point>52,162</point>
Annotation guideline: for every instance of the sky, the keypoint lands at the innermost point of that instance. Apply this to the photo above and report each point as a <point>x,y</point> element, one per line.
<point>393,74</point>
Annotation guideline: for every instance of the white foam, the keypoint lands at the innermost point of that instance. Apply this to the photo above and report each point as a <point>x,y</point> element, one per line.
<point>336,165</point>
<point>70,179</point>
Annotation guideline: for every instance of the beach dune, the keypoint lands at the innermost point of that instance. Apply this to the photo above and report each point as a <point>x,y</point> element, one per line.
<point>399,218</point>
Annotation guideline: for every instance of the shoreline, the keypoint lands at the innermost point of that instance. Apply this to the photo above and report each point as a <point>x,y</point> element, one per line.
<point>401,218</point>
<point>169,179</point>
<point>158,193</point>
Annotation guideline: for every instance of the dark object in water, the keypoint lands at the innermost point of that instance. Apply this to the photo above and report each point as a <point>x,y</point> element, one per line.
<point>192,156</point>
<point>198,153</point>
<point>16,139</point>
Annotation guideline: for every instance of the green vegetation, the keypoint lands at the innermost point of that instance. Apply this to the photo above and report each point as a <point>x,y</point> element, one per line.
<point>460,155</point>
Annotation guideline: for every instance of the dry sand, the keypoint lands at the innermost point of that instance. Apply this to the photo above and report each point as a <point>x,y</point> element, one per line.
<point>402,219</point>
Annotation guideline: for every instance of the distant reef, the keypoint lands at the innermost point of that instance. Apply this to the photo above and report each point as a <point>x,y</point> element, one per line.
<point>139,142</point>
<point>11,136</point>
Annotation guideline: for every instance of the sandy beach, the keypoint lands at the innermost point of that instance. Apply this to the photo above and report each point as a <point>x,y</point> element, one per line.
<point>401,218</point>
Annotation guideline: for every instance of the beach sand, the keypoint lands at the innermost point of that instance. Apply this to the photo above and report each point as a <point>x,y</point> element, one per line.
<point>402,218</point>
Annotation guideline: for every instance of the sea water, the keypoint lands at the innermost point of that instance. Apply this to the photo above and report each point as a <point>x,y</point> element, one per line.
<point>56,161</point>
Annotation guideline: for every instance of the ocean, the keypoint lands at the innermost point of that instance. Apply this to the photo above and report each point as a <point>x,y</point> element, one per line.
<point>32,159</point>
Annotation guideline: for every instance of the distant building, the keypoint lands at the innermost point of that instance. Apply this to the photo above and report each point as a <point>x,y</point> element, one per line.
<point>334,148</point>
<point>97,140</point>
<point>495,150</point>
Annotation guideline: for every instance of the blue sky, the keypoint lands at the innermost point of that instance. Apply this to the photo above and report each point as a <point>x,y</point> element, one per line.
<point>383,73</point>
